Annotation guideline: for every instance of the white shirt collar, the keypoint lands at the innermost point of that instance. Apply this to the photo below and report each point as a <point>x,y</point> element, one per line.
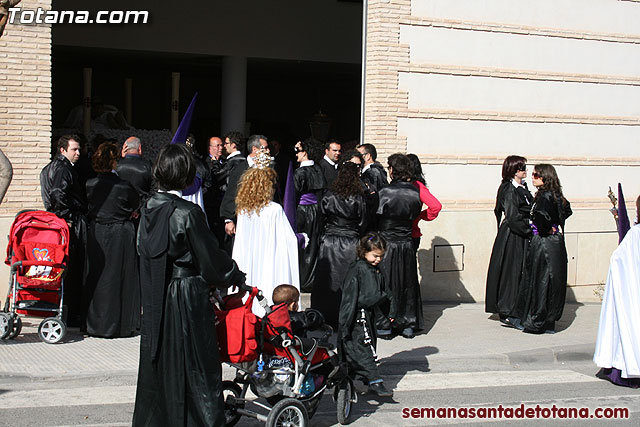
<point>331,162</point>
<point>250,161</point>
<point>366,168</point>
<point>174,192</point>
<point>235,153</point>
<point>515,184</point>
<point>307,163</point>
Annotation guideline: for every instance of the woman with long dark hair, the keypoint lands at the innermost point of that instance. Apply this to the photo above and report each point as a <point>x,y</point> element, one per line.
<point>179,373</point>
<point>433,205</point>
<point>545,284</point>
<point>310,184</point>
<point>399,205</point>
<point>344,210</point>
<point>512,241</point>
<point>111,286</point>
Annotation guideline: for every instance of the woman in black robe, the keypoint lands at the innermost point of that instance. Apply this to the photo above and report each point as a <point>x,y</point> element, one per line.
<point>399,205</point>
<point>344,211</point>
<point>512,241</point>
<point>111,285</point>
<point>310,184</point>
<point>179,375</point>
<point>545,283</point>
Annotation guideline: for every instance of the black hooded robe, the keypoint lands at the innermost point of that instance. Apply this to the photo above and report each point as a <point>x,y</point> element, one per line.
<point>545,278</point>
<point>399,205</point>
<point>509,252</point>
<point>179,376</point>
<point>309,180</point>
<point>363,290</point>
<point>111,286</point>
<point>344,224</point>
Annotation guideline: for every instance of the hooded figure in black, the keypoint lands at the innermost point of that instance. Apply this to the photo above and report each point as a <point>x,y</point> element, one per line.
<point>310,184</point>
<point>512,241</point>
<point>111,287</point>
<point>344,211</point>
<point>399,205</point>
<point>363,290</point>
<point>545,283</point>
<point>179,376</point>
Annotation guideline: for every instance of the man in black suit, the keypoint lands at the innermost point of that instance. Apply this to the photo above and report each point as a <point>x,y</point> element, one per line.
<point>329,162</point>
<point>237,166</point>
<point>373,173</point>
<point>133,168</point>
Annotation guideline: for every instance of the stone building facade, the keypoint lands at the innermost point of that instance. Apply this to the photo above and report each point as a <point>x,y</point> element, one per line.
<point>461,83</point>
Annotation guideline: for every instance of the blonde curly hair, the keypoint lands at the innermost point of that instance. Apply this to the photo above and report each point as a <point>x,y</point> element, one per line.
<point>255,190</point>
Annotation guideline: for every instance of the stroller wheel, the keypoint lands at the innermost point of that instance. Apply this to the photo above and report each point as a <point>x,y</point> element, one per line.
<point>17,328</point>
<point>6,325</point>
<point>51,330</point>
<point>288,413</point>
<point>343,401</point>
<point>231,417</point>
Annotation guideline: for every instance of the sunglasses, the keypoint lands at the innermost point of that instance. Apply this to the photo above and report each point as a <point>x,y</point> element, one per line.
<point>535,175</point>
<point>297,150</point>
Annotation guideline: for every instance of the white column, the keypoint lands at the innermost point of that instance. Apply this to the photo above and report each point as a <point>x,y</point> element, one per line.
<point>234,94</point>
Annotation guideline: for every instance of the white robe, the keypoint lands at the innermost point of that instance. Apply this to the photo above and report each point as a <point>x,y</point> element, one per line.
<point>618,343</point>
<point>266,249</point>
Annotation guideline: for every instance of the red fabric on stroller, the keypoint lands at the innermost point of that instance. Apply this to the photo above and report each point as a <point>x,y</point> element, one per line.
<point>40,240</point>
<point>236,326</point>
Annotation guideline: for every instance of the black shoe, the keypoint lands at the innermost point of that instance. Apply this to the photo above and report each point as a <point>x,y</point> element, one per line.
<point>512,322</point>
<point>408,333</point>
<point>380,390</point>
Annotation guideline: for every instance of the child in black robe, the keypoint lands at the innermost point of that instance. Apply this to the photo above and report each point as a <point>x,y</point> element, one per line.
<point>363,289</point>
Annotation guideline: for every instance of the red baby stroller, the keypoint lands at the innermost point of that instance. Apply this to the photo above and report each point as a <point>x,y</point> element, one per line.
<point>37,253</point>
<point>290,372</point>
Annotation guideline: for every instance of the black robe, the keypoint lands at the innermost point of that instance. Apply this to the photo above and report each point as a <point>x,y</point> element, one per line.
<point>111,286</point>
<point>509,252</point>
<point>137,171</point>
<point>329,171</point>
<point>545,278</point>
<point>375,177</point>
<point>344,224</point>
<point>179,376</point>
<point>213,197</point>
<point>363,290</point>
<point>399,205</point>
<point>233,169</point>
<point>309,180</point>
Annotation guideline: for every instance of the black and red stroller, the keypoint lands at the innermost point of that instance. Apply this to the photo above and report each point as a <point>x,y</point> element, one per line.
<point>37,254</point>
<point>290,372</point>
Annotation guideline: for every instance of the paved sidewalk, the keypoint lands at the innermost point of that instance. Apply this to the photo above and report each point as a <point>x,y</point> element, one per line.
<point>459,338</point>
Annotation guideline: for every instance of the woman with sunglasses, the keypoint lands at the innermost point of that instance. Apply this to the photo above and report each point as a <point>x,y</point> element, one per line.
<point>545,284</point>
<point>512,241</point>
<point>309,184</point>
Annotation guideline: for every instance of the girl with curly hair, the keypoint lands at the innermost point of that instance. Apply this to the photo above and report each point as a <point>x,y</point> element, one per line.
<point>265,247</point>
<point>343,208</point>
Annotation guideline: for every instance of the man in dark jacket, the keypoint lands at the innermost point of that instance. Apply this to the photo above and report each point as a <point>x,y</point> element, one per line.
<point>329,162</point>
<point>135,169</point>
<point>63,195</point>
<point>373,173</point>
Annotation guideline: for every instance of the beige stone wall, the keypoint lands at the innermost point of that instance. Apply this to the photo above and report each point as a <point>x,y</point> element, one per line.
<point>25,116</point>
<point>464,83</point>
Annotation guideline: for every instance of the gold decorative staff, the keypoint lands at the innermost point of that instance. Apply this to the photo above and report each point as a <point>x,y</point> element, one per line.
<point>614,202</point>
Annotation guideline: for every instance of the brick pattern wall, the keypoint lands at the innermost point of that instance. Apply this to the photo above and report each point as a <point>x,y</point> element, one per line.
<point>384,103</point>
<point>25,108</point>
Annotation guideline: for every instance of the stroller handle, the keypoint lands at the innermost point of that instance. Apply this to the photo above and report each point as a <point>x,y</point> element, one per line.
<point>249,289</point>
